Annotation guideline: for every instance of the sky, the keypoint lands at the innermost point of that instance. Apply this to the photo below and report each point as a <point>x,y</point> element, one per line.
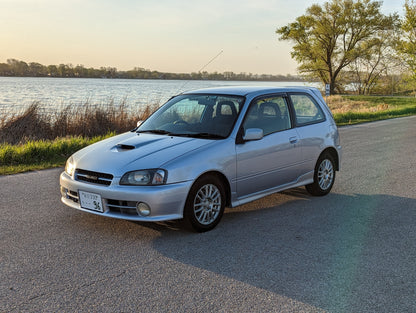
<point>179,36</point>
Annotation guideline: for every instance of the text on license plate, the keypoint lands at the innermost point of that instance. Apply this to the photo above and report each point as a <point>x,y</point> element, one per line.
<point>90,201</point>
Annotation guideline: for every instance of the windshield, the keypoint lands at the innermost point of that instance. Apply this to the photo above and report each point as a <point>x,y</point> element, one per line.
<point>199,115</point>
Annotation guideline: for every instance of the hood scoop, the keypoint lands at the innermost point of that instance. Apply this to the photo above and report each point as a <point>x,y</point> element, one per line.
<point>134,143</point>
<point>124,147</point>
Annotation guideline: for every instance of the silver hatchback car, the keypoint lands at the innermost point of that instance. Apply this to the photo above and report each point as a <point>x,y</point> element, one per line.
<point>205,150</point>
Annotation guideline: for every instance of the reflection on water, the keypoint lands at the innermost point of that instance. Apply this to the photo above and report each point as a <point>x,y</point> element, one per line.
<point>17,93</point>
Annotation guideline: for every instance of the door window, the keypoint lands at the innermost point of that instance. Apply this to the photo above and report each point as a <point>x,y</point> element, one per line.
<point>270,114</point>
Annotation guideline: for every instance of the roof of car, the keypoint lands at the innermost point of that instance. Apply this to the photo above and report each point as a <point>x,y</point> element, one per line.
<point>246,90</point>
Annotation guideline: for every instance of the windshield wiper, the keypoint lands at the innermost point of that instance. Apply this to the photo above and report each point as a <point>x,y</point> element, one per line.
<point>192,135</point>
<point>206,135</point>
<point>154,131</point>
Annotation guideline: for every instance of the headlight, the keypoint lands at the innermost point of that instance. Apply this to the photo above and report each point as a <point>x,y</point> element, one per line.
<point>144,177</point>
<point>70,166</point>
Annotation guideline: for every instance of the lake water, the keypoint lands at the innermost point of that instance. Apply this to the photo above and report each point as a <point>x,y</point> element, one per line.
<point>17,93</point>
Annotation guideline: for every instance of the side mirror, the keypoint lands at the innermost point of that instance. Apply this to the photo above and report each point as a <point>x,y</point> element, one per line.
<point>253,134</point>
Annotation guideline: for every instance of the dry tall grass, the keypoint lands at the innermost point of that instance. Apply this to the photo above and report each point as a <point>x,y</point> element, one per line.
<point>87,120</point>
<point>339,104</point>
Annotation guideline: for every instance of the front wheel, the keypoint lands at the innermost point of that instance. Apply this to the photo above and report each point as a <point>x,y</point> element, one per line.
<point>323,177</point>
<point>205,204</point>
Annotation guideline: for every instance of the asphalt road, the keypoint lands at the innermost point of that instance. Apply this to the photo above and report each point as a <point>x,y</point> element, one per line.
<point>351,251</point>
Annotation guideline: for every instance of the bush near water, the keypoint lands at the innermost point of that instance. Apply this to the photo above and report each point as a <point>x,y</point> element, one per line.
<point>35,140</point>
<point>86,120</point>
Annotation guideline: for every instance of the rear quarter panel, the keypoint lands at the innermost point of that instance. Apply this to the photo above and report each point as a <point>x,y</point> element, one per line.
<point>314,139</point>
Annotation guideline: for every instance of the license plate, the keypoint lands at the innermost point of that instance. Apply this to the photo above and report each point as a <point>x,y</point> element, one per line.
<point>90,201</point>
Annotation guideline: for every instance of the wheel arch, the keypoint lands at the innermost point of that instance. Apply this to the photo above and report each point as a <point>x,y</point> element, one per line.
<point>224,181</point>
<point>332,152</point>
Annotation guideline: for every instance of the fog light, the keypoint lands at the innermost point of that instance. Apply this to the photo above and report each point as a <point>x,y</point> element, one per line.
<point>143,209</point>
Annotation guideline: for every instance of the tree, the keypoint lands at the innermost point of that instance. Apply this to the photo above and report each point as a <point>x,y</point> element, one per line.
<point>52,70</point>
<point>80,71</point>
<point>18,68</point>
<point>406,46</point>
<point>5,69</point>
<point>37,69</point>
<point>377,61</point>
<point>330,37</point>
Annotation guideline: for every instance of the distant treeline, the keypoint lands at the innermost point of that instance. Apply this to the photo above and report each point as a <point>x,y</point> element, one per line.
<point>18,68</point>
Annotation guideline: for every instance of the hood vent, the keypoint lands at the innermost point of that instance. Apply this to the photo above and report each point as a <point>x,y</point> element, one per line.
<point>125,147</point>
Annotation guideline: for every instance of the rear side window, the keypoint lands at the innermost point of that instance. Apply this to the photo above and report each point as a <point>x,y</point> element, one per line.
<point>307,111</point>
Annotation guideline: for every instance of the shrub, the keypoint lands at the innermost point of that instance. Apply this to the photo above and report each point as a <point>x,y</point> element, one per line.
<point>87,121</point>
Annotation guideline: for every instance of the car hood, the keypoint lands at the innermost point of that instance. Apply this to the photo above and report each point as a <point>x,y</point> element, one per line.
<point>132,151</point>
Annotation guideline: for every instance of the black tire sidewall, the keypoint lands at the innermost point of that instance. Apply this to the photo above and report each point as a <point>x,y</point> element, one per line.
<point>189,214</point>
<point>314,188</point>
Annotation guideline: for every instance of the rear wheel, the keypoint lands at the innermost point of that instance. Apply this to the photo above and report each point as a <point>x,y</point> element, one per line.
<point>324,176</point>
<point>205,204</point>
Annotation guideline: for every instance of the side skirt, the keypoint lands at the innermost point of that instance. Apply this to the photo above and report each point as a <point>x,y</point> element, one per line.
<point>302,181</point>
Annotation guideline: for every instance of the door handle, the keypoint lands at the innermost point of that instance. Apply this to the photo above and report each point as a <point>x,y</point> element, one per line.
<point>293,140</point>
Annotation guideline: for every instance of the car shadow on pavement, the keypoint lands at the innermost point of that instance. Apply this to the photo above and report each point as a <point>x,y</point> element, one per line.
<point>341,253</point>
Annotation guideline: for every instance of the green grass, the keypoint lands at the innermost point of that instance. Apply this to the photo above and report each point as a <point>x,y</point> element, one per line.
<point>375,100</point>
<point>378,108</point>
<point>350,118</point>
<point>41,154</point>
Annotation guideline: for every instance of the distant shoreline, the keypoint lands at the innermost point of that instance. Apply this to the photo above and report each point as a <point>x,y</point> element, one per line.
<point>300,80</point>
<point>17,68</point>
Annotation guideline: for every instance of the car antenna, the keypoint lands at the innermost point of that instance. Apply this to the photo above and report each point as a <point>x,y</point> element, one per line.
<point>209,62</point>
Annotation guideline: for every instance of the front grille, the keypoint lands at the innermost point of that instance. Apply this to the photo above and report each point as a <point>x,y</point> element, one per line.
<point>93,177</point>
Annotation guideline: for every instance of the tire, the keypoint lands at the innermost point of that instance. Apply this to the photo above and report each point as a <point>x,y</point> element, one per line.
<point>323,177</point>
<point>205,204</point>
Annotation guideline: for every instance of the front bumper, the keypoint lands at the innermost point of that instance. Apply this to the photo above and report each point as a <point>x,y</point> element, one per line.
<point>165,201</point>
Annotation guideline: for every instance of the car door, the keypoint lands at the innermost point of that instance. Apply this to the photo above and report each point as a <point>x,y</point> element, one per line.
<point>273,160</point>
